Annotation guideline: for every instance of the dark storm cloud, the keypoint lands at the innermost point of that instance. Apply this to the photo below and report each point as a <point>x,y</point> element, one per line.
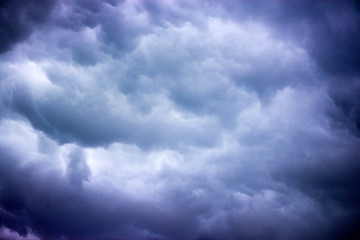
<point>77,169</point>
<point>180,120</point>
<point>327,28</point>
<point>329,31</point>
<point>64,121</point>
<point>52,207</point>
<point>347,99</point>
<point>117,32</point>
<point>18,18</point>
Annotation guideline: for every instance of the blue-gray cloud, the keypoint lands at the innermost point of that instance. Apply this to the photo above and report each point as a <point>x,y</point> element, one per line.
<point>179,120</point>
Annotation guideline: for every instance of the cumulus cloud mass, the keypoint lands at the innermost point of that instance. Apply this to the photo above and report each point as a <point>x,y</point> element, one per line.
<point>173,120</point>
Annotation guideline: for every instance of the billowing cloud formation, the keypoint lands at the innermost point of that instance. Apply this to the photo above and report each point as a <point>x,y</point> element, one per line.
<point>179,120</point>
<point>18,18</point>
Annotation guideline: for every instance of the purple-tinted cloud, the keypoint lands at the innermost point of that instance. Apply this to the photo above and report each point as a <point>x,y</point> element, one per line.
<point>179,120</point>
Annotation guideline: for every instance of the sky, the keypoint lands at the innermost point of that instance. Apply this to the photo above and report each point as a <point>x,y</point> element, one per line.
<point>179,120</point>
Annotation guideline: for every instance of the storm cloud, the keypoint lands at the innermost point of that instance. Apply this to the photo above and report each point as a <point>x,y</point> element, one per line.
<point>179,120</point>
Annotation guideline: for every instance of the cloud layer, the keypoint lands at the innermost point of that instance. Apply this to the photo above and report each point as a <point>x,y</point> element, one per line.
<point>179,120</point>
